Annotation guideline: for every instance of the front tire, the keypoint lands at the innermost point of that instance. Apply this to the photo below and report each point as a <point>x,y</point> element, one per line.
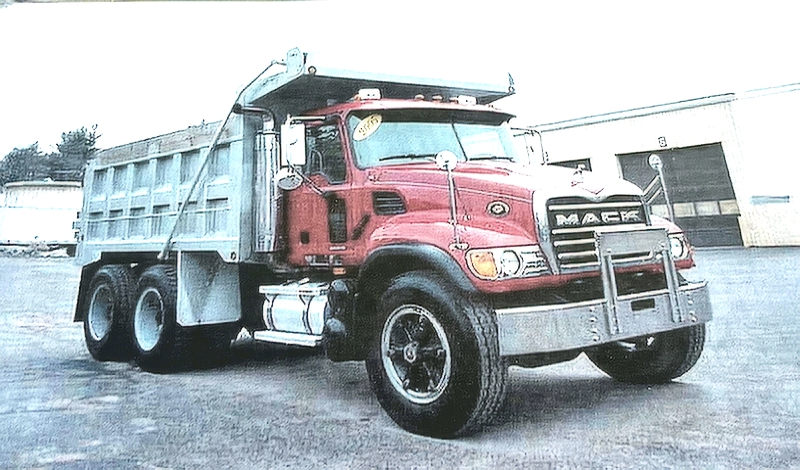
<point>435,364</point>
<point>106,312</point>
<point>651,359</point>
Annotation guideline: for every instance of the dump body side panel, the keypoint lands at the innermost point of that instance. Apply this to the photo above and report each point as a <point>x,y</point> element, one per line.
<point>133,194</point>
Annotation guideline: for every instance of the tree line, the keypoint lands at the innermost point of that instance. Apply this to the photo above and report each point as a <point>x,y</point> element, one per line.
<point>68,163</point>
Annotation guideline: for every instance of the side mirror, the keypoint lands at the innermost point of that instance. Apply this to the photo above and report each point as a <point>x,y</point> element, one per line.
<point>655,162</point>
<point>293,144</point>
<point>446,160</point>
<point>288,180</point>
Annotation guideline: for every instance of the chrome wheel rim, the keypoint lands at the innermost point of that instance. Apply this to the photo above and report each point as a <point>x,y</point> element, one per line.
<point>101,312</point>
<point>148,320</point>
<point>416,354</point>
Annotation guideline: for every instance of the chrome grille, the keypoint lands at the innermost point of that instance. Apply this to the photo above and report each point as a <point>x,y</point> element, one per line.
<point>573,221</point>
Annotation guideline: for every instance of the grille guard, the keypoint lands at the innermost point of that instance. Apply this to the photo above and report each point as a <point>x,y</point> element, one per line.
<point>550,328</point>
<point>621,244</point>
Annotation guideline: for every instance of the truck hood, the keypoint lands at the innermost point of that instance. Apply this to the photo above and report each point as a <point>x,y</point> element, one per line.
<point>506,179</point>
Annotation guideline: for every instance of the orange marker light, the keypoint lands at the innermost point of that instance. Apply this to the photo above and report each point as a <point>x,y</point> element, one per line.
<point>483,264</point>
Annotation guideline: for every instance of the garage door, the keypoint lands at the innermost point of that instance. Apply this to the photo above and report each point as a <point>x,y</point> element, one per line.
<point>699,188</point>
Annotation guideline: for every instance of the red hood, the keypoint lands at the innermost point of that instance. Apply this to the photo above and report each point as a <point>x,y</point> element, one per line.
<point>505,179</point>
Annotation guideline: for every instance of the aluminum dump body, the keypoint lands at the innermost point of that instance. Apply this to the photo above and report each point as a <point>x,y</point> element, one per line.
<point>311,82</point>
<point>133,193</point>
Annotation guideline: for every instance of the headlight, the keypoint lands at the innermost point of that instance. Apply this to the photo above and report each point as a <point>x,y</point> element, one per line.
<point>678,246</point>
<point>507,263</point>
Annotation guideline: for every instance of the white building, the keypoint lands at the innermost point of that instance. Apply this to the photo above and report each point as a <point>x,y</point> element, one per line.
<point>731,163</point>
<point>39,212</point>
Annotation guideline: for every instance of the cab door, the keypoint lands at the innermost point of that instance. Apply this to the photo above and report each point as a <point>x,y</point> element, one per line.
<point>317,213</point>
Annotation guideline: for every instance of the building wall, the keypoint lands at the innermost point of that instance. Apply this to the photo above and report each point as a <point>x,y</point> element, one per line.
<point>755,131</point>
<point>40,212</point>
<point>767,122</point>
<point>603,141</point>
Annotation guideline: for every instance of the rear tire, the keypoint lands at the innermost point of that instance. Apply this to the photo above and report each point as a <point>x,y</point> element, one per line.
<point>106,312</point>
<point>435,363</point>
<point>651,359</point>
<point>160,343</point>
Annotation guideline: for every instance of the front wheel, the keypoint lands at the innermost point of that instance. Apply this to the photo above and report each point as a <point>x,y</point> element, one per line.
<point>656,358</point>
<point>435,364</point>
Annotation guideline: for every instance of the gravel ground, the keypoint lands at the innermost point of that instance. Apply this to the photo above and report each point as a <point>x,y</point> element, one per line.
<point>284,408</point>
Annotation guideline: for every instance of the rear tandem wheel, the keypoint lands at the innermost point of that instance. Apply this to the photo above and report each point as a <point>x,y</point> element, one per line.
<point>106,313</point>
<point>161,344</point>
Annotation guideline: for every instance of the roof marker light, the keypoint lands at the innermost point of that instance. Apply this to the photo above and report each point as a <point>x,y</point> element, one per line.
<point>467,100</point>
<point>369,94</point>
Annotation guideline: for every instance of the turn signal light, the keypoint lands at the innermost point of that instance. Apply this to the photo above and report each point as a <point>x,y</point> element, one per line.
<point>483,264</point>
<point>500,263</point>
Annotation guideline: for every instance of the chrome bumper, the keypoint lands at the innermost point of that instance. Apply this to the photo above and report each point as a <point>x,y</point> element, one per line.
<point>549,328</point>
<point>530,330</point>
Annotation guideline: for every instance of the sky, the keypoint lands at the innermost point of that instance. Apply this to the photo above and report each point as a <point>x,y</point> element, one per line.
<point>141,69</point>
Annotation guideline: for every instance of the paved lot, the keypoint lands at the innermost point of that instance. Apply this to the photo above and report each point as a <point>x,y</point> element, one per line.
<point>286,409</point>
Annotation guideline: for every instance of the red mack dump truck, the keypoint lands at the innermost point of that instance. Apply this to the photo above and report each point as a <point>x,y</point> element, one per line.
<point>388,220</point>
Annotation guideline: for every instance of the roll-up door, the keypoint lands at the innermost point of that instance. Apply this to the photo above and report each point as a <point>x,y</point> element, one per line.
<point>699,188</point>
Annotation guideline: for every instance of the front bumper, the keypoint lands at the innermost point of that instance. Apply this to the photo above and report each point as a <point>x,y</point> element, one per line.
<point>531,330</point>
<point>561,327</point>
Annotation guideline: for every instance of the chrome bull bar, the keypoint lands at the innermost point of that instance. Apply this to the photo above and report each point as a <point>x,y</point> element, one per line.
<point>550,328</point>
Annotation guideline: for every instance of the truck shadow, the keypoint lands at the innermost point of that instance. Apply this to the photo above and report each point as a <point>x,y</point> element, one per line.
<point>535,400</point>
<point>538,401</point>
<point>248,352</point>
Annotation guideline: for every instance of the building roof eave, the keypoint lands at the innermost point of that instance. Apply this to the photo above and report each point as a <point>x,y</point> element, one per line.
<point>636,112</point>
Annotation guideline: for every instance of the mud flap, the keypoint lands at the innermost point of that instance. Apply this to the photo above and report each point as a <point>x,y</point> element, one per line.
<point>208,290</point>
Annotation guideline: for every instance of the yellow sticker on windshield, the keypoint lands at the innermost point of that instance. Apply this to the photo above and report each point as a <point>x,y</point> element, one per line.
<point>367,127</point>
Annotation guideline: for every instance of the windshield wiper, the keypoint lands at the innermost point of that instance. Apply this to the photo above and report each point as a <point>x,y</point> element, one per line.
<point>409,156</point>
<point>491,157</point>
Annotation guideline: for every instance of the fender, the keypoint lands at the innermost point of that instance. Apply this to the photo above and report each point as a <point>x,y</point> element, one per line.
<point>352,324</point>
<point>388,261</point>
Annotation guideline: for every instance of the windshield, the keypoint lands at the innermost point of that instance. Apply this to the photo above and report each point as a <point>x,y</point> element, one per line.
<point>403,136</point>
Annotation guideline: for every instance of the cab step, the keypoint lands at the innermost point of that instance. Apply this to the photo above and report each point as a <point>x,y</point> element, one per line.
<point>292,339</point>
